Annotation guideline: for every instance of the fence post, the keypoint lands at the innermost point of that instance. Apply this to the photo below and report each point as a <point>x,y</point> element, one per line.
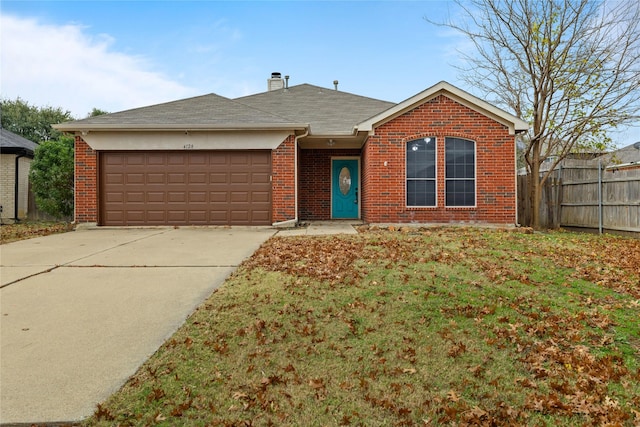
<point>599,196</point>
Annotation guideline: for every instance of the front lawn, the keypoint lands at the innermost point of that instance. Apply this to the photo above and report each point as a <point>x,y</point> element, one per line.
<point>444,326</point>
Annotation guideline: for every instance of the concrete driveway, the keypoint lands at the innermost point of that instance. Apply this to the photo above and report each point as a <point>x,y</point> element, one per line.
<point>81,311</point>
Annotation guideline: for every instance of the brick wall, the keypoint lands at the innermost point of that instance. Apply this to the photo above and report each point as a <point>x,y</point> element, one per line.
<point>283,186</point>
<point>86,182</point>
<point>8,189</point>
<point>7,185</point>
<point>314,184</point>
<point>384,198</point>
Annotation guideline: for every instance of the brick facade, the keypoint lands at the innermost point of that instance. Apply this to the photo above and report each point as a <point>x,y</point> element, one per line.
<point>86,182</point>
<point>314,182</point>
<point>8,188</point>
<point>283,195</point>
<point>383,194</point>
<point>384,198</point>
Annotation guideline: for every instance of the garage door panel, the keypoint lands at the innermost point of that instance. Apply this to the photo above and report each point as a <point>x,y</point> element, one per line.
<point>114,178</point>
<point>260,196</point>
<point>240,216</point>
<point>198,178</point>
<point>218,178</point>
<point>158,159</point>
<point>135,197</point>
<point>196,158</point>
<point>176,178</point>
<point>239,196</point>
<point>239,178</point>
<point>197,197</point>
<point>135,160</point>
<point>135,216</point>
<point>176,159</point>
<point>156,216</point>
<point>175,188</point>
<point>178,216</point>
<point>218,197</point>
<point>155,178</point>
<point>134,178</point>
<point>156,197</point>
<point>260,178</point>
<point>114,197</point>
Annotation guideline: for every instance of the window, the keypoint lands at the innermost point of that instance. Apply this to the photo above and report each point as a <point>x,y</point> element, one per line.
<point>460,172</point>
<point>421,172</point>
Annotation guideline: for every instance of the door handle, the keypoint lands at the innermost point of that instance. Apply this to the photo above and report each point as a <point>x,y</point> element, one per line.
<point>356,200</point>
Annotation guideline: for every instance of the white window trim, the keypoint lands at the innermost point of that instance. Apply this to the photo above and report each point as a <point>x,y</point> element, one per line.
<point>435,179</point>
<point>475,175</point>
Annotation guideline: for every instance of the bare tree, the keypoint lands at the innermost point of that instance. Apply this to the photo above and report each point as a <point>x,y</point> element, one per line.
<point>571,68</point>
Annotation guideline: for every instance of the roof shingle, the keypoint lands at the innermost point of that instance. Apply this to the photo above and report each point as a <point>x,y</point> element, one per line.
<point>11,142</point>
<point>326,111</point>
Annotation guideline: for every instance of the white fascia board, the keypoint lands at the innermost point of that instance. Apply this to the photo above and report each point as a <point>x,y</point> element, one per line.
<point>87,127</point>
<point>514,124</point>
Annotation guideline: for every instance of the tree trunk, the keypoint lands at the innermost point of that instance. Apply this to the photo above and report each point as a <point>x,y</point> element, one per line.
<point>534,190</point>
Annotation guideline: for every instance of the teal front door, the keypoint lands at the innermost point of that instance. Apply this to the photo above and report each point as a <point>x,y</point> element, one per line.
<point>344,188</point>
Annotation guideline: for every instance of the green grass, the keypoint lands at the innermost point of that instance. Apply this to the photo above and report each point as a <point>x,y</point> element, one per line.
<point>442,326</point>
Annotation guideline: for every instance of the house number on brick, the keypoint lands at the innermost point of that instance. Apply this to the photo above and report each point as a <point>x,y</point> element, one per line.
<point>188,146</point>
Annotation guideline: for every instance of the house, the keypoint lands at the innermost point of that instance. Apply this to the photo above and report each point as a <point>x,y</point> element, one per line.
<point>298,153</point>
<point>16,154</point>
<point>623,159</point>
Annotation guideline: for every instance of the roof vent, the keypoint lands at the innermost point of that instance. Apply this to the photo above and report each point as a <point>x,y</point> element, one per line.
<point>275,82</point>
<point>335,84</point>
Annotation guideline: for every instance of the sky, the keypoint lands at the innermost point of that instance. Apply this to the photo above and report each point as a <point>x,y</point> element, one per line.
<point>116,55</point>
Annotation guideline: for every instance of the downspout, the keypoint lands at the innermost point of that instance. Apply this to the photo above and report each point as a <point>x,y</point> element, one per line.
<point>16,190</point>
<point>294,221</point>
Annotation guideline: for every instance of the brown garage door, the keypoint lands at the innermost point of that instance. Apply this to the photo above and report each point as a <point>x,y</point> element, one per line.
<point>185,188</point>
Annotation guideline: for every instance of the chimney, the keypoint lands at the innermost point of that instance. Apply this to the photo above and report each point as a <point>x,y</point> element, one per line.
<point>275,82</point>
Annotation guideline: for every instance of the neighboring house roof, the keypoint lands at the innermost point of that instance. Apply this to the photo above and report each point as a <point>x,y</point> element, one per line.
<point>12,143</point>
<point>625,155</point>
<point>328,111</point>
<point>514,124</point>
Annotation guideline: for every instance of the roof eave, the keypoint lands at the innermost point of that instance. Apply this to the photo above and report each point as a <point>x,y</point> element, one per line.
<point>17,150</point>
<point>71,127</point>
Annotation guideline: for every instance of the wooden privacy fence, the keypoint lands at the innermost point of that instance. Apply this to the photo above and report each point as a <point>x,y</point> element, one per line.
<point>586,196</point>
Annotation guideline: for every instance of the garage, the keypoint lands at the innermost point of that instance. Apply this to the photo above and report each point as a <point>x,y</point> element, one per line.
<point>185,187</point>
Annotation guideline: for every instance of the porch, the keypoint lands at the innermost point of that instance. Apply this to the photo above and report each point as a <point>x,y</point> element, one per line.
<point>329,184</point>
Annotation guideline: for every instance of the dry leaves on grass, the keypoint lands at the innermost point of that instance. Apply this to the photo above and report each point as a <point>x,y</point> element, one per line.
<point>434,327</point>
<point>326,258</point>
<point>21,231</point>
